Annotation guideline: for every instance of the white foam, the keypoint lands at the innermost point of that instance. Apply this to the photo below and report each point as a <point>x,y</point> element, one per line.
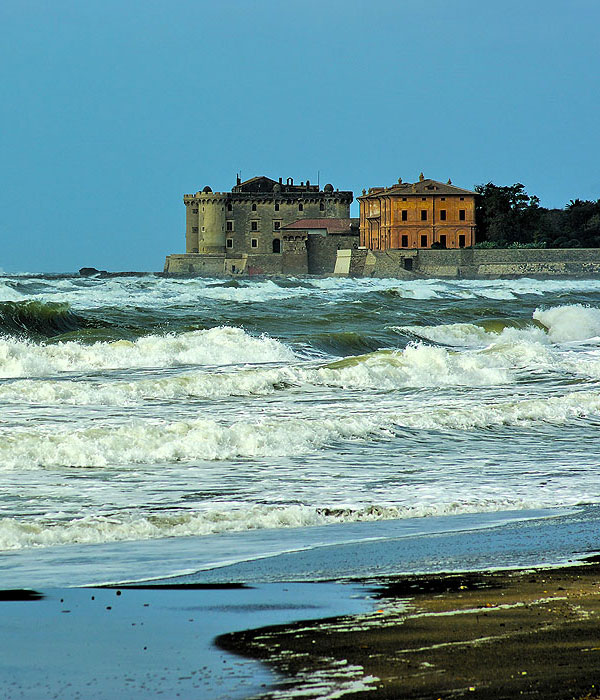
<point>418,365</point>
<point>56,529</point>
<point>217,346</point>
<point>470,335</point>
<point>7,293</point>
<point>415,366</point>
<point>570,323</point>
<point>157,442</point>
<point>556,410</point>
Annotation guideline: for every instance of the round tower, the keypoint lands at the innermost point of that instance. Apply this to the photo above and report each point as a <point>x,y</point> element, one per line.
<point>211,234</point>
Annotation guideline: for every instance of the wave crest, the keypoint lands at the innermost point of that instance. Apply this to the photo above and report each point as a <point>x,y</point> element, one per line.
<point>224,345</point>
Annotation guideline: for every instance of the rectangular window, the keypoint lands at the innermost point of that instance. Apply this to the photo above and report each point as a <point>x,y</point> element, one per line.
<point>461,241</point>
<point>230,242</point>
<point>194,211</point>
<point>254,225</point>
<point>229,226</point>
<point>194,229</point>
<point>423,241</point>
<point>443,199</point>
<point>423,199</point>
<point>404,199</point>
<point>405,241</point>
<point>276,225</point>
<point>405,215</point>
<point>276,206</point>
<point>462,199</point>
<point>442,215</point>
<point>423,214</point>
<point>301,207</point>
<point>254,242</point>
<point>462,214</point>
<point>229,207</point>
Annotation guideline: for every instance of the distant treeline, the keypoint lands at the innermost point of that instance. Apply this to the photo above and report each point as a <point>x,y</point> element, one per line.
<point>509,217</point>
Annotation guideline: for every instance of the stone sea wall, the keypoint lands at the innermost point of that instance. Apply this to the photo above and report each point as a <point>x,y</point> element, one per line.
<point>469,263</point>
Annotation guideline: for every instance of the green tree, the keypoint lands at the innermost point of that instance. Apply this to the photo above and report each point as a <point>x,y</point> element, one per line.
<point>507,214</point>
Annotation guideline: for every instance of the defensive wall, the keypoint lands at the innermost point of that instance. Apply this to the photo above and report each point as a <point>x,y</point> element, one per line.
<point>470,263</point>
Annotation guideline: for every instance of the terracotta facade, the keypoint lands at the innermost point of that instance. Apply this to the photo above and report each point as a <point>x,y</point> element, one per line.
<point>417,215</point>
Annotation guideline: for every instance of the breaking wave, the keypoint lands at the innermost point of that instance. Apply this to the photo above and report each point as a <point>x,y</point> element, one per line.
<point>560,324</point>
<point>142,442</point>
<point>36,318</point>
<point>570,323</point>
<point>118,527</point>
<point>217,346</point>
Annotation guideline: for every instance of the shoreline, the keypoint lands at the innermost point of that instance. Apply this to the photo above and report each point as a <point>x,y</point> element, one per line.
<point>532,632</point>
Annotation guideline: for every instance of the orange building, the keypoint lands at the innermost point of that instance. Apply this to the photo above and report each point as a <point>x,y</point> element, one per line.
<point>417,215</point>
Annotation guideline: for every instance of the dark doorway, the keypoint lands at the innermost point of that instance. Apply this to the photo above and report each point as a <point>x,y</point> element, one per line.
<point>405,241</point>
<point>461,241</point>
<point>424,240</point>
<point>408,263</point>
<point>443,241</point>
<point>277,245</point>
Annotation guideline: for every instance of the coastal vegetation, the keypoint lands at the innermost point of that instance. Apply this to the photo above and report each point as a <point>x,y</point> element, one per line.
<point>509,217</point>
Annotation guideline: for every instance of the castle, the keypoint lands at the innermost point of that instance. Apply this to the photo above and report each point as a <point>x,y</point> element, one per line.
<point>247,230</point>
<point>265,226</point>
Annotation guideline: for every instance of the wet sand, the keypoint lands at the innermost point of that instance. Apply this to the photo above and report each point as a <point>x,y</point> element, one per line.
<point>532,633</point>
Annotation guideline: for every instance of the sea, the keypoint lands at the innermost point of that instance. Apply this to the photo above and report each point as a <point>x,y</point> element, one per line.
<point>154,427</point>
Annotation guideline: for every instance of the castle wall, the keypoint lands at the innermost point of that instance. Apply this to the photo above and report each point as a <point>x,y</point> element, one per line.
<point>322,251</point>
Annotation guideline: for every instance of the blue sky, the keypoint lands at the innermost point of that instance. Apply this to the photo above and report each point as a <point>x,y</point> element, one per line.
<point>112,110</point>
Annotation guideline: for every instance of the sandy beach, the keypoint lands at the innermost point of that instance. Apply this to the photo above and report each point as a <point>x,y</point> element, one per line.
<point>502,634</point>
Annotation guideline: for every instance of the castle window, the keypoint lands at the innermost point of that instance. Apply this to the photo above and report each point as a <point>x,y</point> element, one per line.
<point>405,215</point>
<point>300,207</point>
<point>404,199</point>
<point>462,214</point>
<point>203,229</point>
<point>254,207</point>
<point>442,215</point>
<point>194,229</point>
<point>254,225</point>
<point>443,199</point>
<point>194,211</point>
<point>229,226</point>
<point>229,242</point>
<point>424,240</point>
<point>254,242</point>
<point>229,207</point>
<point>461,241</point>
<point>405,241</point>
<point>276,225</point>
<point>276,206</point>
<point>462,199</point>
<point>276,245</point>
<point>423,214</point>
<point>322,206</point>
<point>423,199</point>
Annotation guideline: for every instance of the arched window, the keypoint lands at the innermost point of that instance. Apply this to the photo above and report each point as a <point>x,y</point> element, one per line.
<point>276,245</point>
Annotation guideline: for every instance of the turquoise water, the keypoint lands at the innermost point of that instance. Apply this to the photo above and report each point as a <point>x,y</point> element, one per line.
<point>143,408</point>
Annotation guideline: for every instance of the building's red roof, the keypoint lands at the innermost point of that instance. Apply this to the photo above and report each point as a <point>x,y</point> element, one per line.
<point>332,226</point>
